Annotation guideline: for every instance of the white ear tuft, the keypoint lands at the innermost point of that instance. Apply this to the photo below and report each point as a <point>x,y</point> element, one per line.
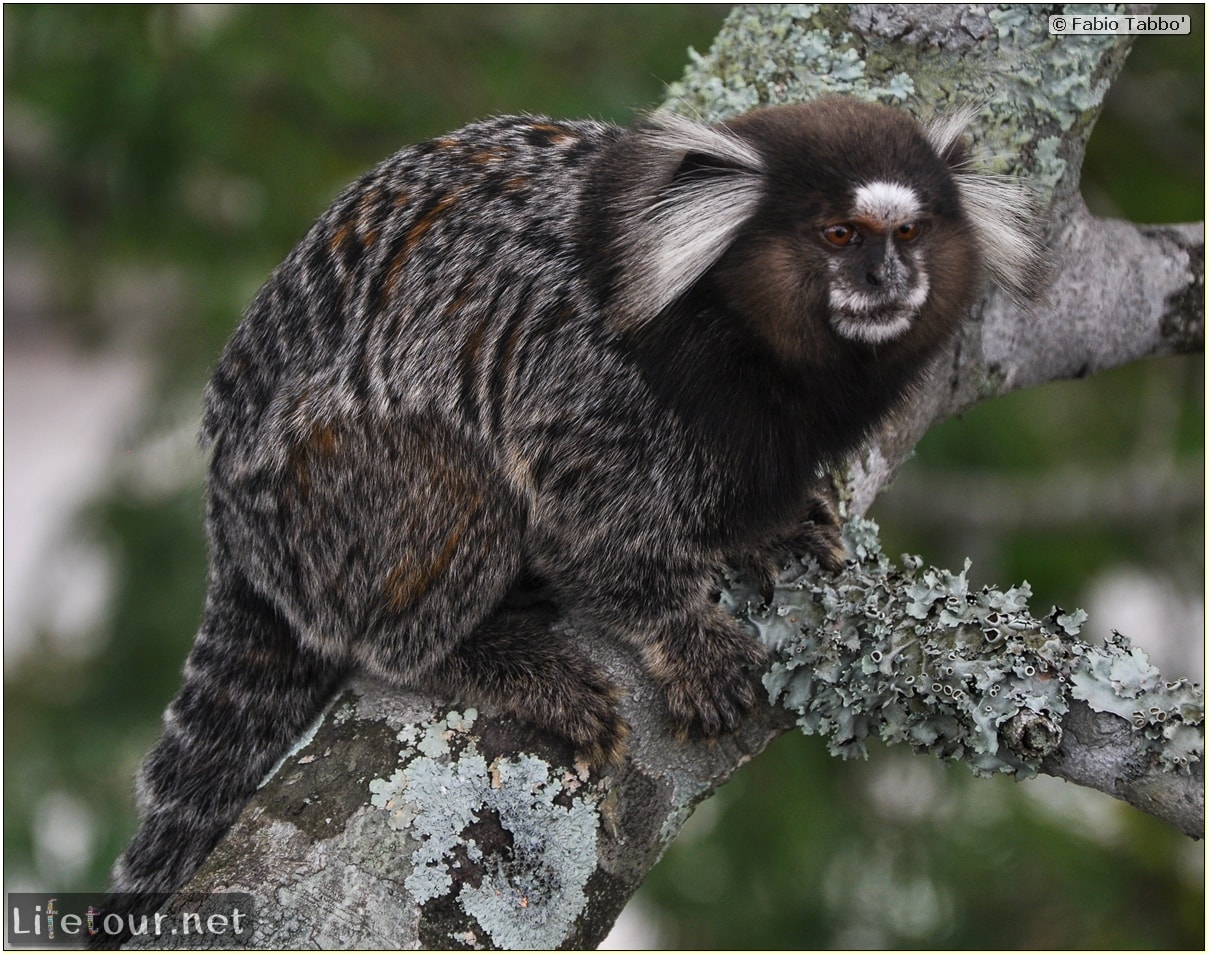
<point>680,135</point>
<point>943,131</point>
<point>694,187</point>
<point>1002,210</point>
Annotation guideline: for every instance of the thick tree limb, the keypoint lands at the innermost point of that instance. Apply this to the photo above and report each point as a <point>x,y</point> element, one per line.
<point>401,824</point>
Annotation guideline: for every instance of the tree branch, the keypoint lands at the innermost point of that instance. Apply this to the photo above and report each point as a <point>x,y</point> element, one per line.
<point>400,823</point>
<point>1118,293</point>
<point>914,656</point>
<point>403,823</point>
<point>1100,751</point>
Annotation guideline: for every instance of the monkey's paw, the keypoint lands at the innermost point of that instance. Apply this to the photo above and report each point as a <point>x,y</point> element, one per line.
<point>580,704</point>
<point>819,535</point>
<point>599,734</point>
<point>715,685</point>
<point>823,543</point>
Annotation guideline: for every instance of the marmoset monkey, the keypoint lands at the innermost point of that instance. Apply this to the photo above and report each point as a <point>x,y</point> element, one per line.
<point>605,359</point>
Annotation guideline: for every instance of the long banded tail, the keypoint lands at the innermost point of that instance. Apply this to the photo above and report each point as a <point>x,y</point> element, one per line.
<point>250,690</point>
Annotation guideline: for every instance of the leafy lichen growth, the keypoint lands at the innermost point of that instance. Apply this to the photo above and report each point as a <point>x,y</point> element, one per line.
<point>1117,678</point>
<point>525,890</point>
<point>914,655</point>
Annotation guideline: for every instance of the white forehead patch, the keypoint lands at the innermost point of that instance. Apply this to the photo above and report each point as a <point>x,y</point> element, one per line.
<point>889,203</point>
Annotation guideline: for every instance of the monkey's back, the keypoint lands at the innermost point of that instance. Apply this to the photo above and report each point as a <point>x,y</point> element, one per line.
<point>432,342</point>
<point>423,287</point>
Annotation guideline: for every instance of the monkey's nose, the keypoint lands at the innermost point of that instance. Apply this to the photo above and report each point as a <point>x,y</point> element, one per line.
<point>886,274</point>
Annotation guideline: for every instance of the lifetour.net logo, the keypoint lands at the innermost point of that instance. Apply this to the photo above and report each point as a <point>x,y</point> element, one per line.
<point>38,920</point>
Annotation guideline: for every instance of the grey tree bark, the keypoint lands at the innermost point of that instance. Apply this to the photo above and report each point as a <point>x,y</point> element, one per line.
<point>406,821</point>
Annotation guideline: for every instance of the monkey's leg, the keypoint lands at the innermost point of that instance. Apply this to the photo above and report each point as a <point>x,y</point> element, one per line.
<point>816,535</point>
<point>703,659</point>
<point>516,663</point>
<point>250,689</point>
<point>424,537</point>
<point>441,625</point>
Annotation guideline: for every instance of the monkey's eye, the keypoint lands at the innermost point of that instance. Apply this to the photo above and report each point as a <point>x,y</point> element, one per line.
<point>907,231</point>
<point>841,234</point>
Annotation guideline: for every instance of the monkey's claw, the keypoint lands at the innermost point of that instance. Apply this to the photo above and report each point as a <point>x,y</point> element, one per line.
<point>712,694</point>
<point>819,536</point>
<point>587,716</point>
<point>605,744</point>
<point>700,711</point>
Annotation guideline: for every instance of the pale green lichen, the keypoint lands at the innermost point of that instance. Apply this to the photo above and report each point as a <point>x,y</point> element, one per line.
<point>527,897</point>
<point>744,69</point>
<point>433,743</point>
<point>1050,166</point>
<point>536,894</point>
<point>914,655</point>
<point>1118,678</point>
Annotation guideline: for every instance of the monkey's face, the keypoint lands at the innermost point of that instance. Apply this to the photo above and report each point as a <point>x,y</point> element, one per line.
<point>860,238</point>
<point>877,280</point>
<point>833,231</point>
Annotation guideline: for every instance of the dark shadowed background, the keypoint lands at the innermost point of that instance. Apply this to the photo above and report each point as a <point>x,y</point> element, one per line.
<point>159,161</point>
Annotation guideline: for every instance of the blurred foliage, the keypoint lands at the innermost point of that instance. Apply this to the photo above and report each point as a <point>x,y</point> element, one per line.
<point>185,149</point>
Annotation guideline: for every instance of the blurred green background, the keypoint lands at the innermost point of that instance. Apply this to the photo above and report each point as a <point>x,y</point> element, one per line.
<point>159,162</point>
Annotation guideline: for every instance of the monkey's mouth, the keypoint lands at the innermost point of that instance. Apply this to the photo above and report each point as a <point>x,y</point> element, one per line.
<point>874,326</point>
<point>872,317</point>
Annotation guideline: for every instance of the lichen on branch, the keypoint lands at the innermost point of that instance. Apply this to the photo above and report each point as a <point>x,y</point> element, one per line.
<point>915,655</point>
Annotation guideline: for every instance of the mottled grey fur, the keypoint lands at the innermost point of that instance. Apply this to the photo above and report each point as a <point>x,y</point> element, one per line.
<point>492,366</point>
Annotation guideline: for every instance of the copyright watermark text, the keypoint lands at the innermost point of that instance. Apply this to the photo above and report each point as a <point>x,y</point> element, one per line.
<point>1068,24</point>
<point>78,920</point>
